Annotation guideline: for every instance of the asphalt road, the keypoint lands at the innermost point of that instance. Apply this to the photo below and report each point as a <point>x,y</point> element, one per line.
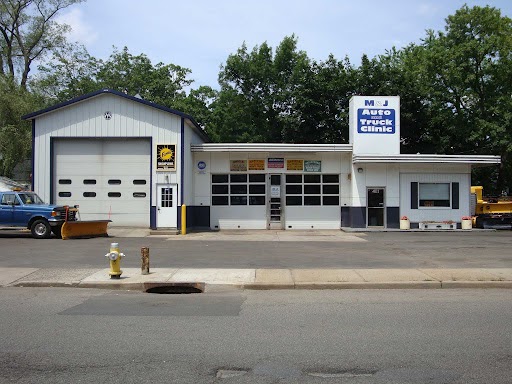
<point>63,335</point>
<point>475,249</point>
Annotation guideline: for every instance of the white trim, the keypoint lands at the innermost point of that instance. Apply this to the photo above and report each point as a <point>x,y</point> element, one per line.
<point>422,159</point>
<point>262,147</point>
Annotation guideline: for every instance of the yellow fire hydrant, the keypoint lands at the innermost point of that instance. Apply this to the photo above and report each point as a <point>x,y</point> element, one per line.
<point>115,261</point>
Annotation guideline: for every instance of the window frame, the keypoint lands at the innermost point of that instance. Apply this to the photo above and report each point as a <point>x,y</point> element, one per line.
<point>432,202</point>
<point>312,191</point>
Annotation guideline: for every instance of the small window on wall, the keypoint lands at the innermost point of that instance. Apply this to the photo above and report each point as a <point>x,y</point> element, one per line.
<point>139,182</point>
<point>434,194</point>
<point>89,194</point>
<point>89,181</point>
<point>114,194</point>
<point>64,181</point>
<point>114,182</point>
<point>64,194</point>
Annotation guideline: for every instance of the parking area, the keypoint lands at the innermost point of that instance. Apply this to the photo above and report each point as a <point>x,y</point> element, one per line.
<point>268,249</point>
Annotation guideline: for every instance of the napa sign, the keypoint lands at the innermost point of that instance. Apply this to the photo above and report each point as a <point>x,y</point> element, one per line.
<point>375,118</point>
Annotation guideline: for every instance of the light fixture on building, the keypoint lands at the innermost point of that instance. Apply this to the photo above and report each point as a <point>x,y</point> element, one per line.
<point>359,170</point>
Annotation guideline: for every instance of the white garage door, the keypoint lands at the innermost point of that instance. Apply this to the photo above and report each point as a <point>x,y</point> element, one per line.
<point>108,178</point>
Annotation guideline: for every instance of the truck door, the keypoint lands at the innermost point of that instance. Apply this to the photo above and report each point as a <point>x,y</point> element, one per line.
<point>7,208</point>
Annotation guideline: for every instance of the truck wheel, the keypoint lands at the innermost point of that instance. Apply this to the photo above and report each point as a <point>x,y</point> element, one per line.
<point>57,231</point>
<point>40,229</point>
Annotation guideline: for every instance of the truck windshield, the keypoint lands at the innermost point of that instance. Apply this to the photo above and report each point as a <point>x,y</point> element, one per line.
<point>30,198</point>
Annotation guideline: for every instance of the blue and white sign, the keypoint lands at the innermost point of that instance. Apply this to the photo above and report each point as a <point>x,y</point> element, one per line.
<point>378,121</point>
<point>201,165</point>
<point>374,125</point>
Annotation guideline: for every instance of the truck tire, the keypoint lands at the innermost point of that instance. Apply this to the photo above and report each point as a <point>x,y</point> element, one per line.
<point>57,231</point>
<point>40,229</point>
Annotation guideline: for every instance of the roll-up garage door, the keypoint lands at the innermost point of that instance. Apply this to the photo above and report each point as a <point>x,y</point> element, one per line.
<point>108,178</point>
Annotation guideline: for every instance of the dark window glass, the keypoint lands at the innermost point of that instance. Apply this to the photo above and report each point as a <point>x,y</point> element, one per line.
<point>331,189</point>
<point>238,178</point>
<point>89,194</point>
<point>219,178</point>
<point>275,180</point>
<point>114,194</point>
<point>64,181</point>
<point>311,189</point>
<point>237,189</point>
<point>219,189</point>
<point>311,200</point>
<point>64,194</point>
<point>294,189</point>
<point>256,200</point>
<point>293,200</point>
<point>293,178</point>
<point>219,200</point>
<point>331,178</point>
<point>139,194</point>
<point>238,200</point>
<point>331,200</point>
<point>257,189</point>
<point>311,179</point>
<point>114,181</point>
<point>139,182</point>
<point>89,181</point>
<point>256,178</point>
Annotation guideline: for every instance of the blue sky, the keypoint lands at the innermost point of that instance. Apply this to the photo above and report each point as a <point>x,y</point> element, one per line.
<point>200,34</point>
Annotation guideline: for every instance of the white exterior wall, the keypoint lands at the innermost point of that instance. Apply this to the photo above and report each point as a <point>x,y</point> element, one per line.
<point>432,173</point>
<point>376,175</point>
<point>190,165</point>
<point>85,119</point>
<point>255,217</point>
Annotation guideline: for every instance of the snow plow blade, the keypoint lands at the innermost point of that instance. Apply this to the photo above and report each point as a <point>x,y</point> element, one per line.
<point>84,229</point>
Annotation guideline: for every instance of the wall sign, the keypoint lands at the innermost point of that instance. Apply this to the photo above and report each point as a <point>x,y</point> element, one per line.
<point>107,115</point>
<point>275,191</point>
<point>376,120</point>
<point>165,157</point>
<point>312,166</point>
<point>275,162</point>
<point>201,165</point>
<point>295,165</point>
<point>238,165</point>
<point>256,165</point>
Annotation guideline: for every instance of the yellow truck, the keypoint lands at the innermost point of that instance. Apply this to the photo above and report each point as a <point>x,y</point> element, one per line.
<point>491,212</point>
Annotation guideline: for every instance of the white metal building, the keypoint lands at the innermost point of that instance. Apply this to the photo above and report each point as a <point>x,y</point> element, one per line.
<point>136,163</point>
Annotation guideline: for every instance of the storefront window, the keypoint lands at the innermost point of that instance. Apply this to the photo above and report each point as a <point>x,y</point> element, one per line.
<point>434,194</point>
<point>306,189</point>
<point>238,189</point>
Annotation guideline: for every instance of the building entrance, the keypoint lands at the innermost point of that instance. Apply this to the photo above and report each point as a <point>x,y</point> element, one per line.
<point>275,217</point>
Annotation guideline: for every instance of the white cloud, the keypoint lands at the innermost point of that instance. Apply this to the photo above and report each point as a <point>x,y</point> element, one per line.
<point>81,31</point>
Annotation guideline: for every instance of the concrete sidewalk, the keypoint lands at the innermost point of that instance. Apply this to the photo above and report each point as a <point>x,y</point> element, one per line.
<point>211,278</point>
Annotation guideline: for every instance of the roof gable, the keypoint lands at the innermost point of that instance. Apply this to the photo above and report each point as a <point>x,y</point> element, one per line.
<point>196,127</point>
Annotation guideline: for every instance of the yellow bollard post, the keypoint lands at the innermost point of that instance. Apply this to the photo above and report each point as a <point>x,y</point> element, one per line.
<point>183,219</point>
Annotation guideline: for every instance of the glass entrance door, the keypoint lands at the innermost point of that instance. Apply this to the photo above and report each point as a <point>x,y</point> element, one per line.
<point>274,206</point>
<point>375,211</point>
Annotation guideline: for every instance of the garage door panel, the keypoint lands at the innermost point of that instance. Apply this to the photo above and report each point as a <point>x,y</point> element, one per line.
<point>97,168</point>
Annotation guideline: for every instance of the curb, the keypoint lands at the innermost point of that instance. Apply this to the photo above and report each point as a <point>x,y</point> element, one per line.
<point>477,284</point>
<point>210,287</point>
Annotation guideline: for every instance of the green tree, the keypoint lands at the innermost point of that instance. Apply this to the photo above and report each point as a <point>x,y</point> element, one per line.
<point>28,32</point>
<point>15,135</point>
<point>468,70</point>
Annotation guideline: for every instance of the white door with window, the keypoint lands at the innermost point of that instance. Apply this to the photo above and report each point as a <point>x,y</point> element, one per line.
<point>166,209</point>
